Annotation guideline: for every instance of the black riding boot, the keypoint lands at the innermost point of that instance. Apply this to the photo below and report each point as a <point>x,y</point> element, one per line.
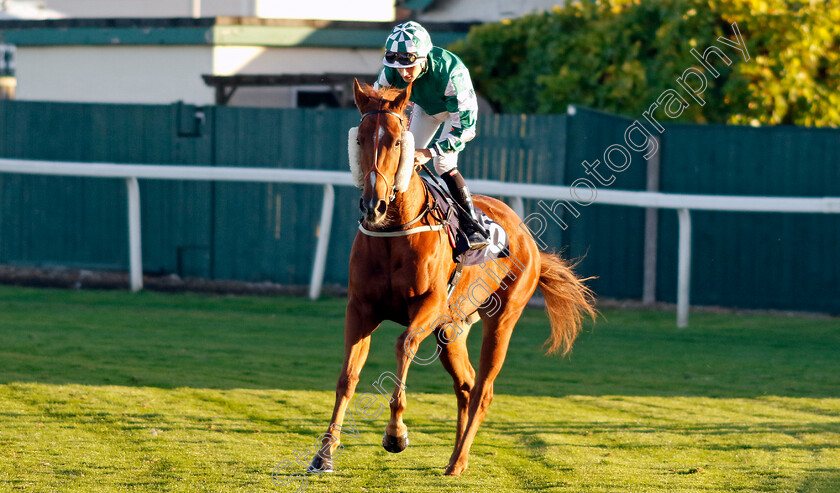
<point>458,188</point>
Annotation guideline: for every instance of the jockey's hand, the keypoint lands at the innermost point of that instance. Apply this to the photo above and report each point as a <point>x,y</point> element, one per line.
<point>421,156</point>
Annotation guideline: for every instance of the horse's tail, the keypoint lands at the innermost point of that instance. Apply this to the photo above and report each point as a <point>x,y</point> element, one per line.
<point>567,301</point>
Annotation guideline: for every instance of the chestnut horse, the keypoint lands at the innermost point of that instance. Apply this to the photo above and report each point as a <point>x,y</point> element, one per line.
<point>399,270</point>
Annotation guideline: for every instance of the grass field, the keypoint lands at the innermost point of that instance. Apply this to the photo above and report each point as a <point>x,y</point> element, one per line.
<point>113,391</point>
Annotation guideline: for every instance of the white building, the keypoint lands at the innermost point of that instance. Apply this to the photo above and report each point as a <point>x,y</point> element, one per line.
<point>278,53</point>
<point>27,9</point>
<point>369,10</point>
<point>477,10</point>
<point>164,60</point>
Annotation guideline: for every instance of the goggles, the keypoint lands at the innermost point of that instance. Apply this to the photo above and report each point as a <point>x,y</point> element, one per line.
<point>401,58</point>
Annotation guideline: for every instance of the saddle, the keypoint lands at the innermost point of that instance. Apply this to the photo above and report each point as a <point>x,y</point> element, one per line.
<point>447,213</point>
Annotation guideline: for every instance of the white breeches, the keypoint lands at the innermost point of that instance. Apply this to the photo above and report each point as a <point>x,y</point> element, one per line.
<point>424,126</point>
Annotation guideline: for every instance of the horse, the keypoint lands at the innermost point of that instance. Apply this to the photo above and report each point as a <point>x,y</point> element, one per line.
<point>399,268</point>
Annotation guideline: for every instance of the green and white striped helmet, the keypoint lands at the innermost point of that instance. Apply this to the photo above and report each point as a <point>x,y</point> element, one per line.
<point>408,37</point>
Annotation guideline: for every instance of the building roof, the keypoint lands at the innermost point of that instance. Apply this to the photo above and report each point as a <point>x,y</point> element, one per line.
<point>215,31</point>
<point>416,4</point>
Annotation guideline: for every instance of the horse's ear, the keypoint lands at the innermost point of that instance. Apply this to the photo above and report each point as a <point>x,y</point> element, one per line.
<point>359,95</point>
<point>402,99</point>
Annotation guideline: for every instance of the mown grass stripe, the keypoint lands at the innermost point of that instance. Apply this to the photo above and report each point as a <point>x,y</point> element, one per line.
<point>113,391</point>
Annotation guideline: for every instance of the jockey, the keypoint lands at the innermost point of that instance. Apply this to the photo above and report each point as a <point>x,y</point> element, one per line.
<point>442,93</point>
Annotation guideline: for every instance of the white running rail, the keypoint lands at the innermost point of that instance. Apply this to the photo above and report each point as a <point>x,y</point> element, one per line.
<point>682,203</point>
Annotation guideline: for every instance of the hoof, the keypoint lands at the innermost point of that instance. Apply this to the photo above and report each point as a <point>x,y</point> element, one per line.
<point>320,465</point>
<point>395,445</point>
<point>455,470</point>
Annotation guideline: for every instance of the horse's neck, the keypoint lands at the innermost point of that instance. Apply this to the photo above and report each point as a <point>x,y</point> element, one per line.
<point>409,204</point>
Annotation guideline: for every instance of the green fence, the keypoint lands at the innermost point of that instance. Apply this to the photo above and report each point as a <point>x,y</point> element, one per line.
<point>267,232</point>
<point>609,239</point>
<point>82,222</point>
<point>755,260</point>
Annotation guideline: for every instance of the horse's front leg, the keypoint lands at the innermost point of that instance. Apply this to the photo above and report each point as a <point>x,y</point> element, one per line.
<point>358,326</point>
<point>423,314</point>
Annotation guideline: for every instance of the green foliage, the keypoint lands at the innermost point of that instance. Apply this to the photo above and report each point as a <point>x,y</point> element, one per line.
<point>620,55</point>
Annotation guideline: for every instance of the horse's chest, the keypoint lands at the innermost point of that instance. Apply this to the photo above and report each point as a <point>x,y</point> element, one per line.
<point>396,279</point>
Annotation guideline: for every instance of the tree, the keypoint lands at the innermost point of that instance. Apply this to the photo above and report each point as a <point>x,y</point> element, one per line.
<point>619,55</point>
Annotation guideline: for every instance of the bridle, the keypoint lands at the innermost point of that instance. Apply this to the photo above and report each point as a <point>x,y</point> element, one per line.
<point>428,208</point>
<point>378,113</point>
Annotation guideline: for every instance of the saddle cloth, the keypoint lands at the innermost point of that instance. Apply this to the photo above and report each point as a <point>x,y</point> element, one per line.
<point>461,253</point>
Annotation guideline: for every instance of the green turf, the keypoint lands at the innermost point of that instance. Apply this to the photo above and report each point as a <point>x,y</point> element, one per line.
<point>113,391</point>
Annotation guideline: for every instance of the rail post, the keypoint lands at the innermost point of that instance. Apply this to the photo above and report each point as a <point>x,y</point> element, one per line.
<point>683,267</point>
<point>518,206</point>
<point>324,229</point>
<point>135,244</point>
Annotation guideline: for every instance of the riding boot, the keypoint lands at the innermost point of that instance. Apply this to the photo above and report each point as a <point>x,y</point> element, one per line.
<point>476,235</point>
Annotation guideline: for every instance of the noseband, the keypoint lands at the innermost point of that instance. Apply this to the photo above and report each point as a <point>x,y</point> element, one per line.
<point>379,112</point>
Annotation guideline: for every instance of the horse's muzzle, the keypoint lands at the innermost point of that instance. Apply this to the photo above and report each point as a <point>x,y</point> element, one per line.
<point>373,210</point>
<point>395,445</point>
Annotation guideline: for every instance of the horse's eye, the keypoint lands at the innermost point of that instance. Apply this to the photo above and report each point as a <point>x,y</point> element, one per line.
<point>397,143</point>
<point>358,143</point>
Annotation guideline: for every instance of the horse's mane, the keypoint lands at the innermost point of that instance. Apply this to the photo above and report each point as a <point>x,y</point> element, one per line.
<point>381,95</point>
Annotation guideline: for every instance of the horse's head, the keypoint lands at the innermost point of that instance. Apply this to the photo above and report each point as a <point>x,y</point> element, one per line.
<point>381,149</point>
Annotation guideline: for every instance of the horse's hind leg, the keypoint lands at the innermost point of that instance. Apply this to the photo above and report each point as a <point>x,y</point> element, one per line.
<point>455,358</point>
<point>494,345</point>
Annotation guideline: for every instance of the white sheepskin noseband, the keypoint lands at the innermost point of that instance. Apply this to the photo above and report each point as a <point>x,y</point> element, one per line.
<point>353,152</point>
<point>406,167</point>
<point>404,171</point>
